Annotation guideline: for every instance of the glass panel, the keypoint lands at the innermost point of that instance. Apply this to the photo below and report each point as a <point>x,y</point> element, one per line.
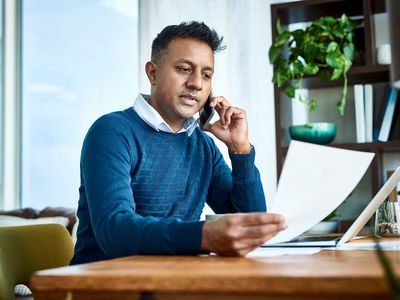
<point>1,97</point>
<point>80,60</point>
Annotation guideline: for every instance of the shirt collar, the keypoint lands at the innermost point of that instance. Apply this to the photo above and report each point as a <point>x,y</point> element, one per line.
<point>148,114</point>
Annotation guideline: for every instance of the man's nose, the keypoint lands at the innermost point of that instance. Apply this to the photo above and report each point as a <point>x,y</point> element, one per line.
<point>195,81</point>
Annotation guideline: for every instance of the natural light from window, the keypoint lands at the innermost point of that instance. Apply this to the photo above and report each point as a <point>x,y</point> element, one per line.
<point>80,61</point>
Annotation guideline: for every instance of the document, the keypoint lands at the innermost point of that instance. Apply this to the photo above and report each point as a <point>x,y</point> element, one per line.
<point>272,252</point>
<point>387,245</point>
<point>314,181</point>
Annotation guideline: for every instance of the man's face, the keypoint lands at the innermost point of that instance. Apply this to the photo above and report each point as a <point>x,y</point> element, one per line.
<point>182,80</point>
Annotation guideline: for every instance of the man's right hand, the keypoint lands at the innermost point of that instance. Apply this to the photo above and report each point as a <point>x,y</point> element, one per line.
<point>238,234</point>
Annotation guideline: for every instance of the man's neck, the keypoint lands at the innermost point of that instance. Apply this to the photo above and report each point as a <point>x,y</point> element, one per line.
<point>175,125</point>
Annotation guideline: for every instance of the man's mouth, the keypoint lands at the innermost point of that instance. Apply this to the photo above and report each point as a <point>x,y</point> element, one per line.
<point>189,99</point>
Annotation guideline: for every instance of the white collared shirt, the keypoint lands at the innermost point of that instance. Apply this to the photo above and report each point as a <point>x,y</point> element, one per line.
<point>148,114</point>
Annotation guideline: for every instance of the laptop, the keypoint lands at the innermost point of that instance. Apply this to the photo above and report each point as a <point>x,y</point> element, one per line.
<point>336,241</point>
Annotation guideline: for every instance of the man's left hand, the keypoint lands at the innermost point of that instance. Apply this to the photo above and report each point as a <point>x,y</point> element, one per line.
<point>231,128</point>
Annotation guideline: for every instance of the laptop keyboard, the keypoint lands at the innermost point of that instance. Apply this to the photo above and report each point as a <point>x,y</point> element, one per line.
<point>321,238</point>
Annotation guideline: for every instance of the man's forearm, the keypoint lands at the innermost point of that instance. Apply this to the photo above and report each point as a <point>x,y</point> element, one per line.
<point>247,190</point>
<point>126,235</point>
<point>239,190</point>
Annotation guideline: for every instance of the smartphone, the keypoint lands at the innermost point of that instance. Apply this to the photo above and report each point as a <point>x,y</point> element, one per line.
<point>206,113</point>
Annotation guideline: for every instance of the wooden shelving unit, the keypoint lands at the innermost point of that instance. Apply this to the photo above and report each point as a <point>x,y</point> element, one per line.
<point>368,72</point>
<point>356,75</point>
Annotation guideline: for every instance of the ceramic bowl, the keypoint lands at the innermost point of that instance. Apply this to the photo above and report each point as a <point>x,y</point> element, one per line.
<point>318,133</point>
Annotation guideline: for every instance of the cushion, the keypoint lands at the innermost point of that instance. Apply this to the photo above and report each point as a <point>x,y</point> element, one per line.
<point>69,213</point>
<point>22,290</point>
<point>30,213</point>
<point>6,221</point>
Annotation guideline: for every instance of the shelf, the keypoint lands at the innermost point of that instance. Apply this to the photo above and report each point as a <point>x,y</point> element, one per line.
<point>309,10</point>
<point>374,146</point>
<point>356,75</point>
<point>390,146</point>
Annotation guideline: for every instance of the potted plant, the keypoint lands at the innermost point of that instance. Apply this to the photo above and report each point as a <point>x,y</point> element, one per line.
<point>325,49</point>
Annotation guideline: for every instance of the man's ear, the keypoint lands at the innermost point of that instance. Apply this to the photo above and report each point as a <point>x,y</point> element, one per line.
<point>151,69</point>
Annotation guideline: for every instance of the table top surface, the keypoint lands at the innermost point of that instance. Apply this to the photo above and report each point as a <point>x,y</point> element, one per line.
<point>357,271</point>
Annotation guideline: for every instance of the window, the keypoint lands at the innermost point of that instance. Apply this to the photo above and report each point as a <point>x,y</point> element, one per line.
<point>80,61</point>
<point>1,100</point>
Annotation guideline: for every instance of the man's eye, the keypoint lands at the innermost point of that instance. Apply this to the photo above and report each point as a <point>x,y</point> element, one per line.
<point>184,69</point>
<point>207,76</point>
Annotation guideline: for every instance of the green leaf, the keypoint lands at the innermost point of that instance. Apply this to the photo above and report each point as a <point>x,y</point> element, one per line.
<point>325,32</point>
<point>281,39</point>
<point>332,47</point>
<point>346,64</point>
<point>311,69</point>
<point>274,53</point>
<point>297,68</point>
<point>310,51</point>
<point>290,91</point>
<point>312,105</point>
<point>336,74</point>
<point>281,74</point>
<point>349,37</point>
<point>348,51</point>
<point>324,74</point>
<point>354,23</point>
<point>337,31</point>
<point>344,21</point>
<point>332,60</point>
<point>279,79</point>
<point>279,29</point>
<point>299,84</point>
<point>298,36</point>
<point>325,22</point>
<point>330,20</point>
<point>331,216</point>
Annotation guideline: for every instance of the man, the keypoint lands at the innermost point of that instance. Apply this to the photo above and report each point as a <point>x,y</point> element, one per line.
<point>147,171</point>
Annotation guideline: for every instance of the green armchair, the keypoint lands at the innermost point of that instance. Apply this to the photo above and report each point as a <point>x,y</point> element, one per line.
<point>26,249</point>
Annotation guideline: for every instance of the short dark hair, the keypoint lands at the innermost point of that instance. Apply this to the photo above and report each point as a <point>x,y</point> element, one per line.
<point>192,29</point>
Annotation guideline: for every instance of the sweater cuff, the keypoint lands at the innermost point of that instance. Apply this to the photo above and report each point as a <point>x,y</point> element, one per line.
<point>188,237</point>
<point>243,165</point>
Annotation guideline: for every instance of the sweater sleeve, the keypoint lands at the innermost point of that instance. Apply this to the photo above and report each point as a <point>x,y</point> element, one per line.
<point>106,167</point>
<point>239,190</point>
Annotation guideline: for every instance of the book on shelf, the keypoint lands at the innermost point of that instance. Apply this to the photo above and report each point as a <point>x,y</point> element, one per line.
<point>369,114</point>
<point>390,110</point>
<point>360,112</point>
<point>395,133</point>
<point>380,107</point>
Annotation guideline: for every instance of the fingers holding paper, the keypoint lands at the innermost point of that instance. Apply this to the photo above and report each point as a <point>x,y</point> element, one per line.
<point>238,234</point>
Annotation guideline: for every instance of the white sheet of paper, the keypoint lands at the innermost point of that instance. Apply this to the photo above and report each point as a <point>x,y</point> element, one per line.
<point>392,245</point>
<point>272,252</point>
<point>314,181</point>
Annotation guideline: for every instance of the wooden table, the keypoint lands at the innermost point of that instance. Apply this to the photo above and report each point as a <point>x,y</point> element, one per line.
<point>325,275</point>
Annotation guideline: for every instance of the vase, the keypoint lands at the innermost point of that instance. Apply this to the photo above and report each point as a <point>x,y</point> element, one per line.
<point>317,133</point>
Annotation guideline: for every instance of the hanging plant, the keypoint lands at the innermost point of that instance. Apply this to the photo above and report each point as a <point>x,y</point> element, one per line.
<point>325,49</point>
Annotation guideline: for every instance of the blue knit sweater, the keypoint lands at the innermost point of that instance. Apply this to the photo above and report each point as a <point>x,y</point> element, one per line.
<point>142,191</point>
